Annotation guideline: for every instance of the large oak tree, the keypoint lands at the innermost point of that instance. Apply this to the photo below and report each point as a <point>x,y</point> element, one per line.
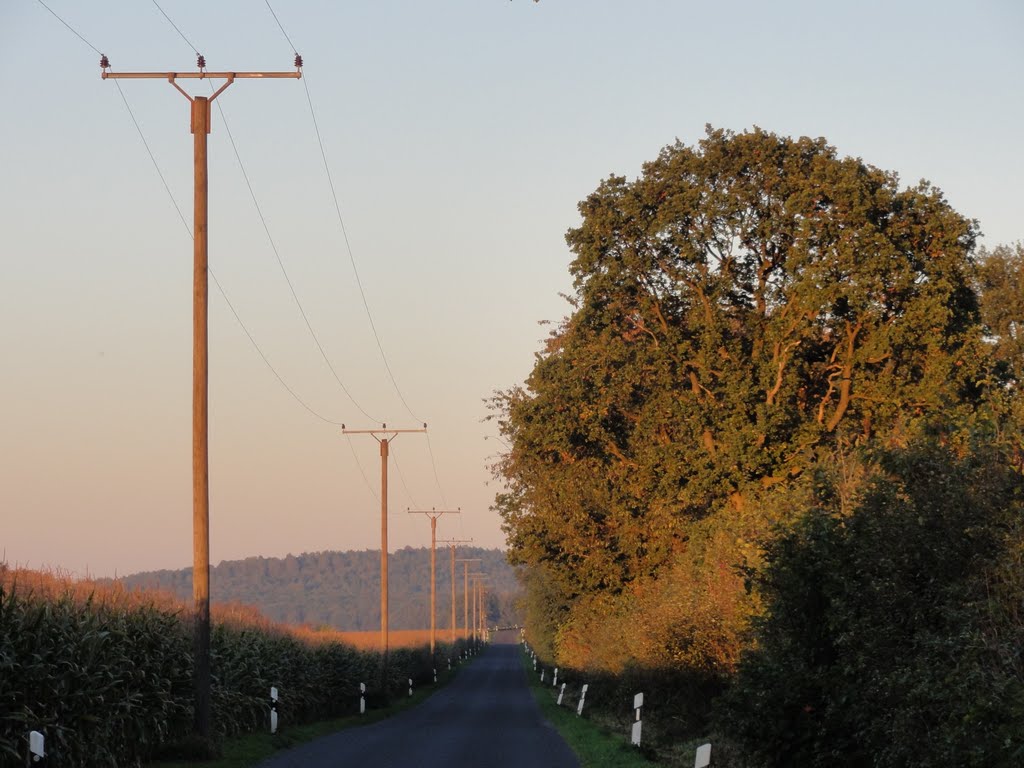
<point>742,310</point>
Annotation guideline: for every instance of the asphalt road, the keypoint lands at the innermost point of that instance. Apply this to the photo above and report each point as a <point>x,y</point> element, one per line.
<point>485,718</point>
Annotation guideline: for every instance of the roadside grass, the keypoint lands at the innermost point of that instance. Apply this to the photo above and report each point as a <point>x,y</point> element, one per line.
<point>594,744</point>
<point>250,749</point>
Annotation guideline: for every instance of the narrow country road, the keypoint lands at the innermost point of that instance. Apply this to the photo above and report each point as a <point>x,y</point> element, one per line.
<point>485,718</point>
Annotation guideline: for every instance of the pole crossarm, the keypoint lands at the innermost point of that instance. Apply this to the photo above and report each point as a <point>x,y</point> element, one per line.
<point>383,430</point>
<point>434,513</point>
<point>200,75</point>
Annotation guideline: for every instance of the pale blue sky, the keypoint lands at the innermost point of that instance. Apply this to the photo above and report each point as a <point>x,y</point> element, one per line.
<point>461,134</point>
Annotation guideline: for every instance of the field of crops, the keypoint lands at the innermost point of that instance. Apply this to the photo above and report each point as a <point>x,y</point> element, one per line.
<point>106,675</point>
<point>402,638</point>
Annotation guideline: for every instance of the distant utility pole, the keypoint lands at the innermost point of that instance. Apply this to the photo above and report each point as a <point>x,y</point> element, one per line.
<point>481,591</point>
<point>385,437</point>
<point>465,591</point>
<point>433,514</point>
<point>477,578</point>
<point>200,462</point>
<point>452,544</point>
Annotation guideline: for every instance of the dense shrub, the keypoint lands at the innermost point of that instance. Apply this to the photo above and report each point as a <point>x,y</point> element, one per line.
<point>892,635</point>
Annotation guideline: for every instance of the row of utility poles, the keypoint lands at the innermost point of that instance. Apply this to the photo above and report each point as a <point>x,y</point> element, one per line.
<point>200,129</point>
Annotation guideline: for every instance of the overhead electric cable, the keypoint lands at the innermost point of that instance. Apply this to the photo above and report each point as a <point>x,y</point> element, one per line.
<point>182,34</point>
<point>401,476</point>
<point>437,479</point>
<point>344,231</point>
<point>366,480</point>
<point>279,26</point>
<point>351,255</point>
<point>213,276</point>
<point>280,263</point>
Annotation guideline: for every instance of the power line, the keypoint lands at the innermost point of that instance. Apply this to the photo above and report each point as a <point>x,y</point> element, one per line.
<point>279,26</point>
<point>401,476</point>
<point>366,480</point>
<point>152,158</point>
<point>72,29</point>
<point>351,255</point>
<point>344,231</point>
<point>182,34</point>
<point>263,357</point>
<point>280,263</point>
<point>216,282</point>
<point>437,479</point>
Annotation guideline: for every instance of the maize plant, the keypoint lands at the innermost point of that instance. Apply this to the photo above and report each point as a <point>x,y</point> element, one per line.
<point>106,675</point>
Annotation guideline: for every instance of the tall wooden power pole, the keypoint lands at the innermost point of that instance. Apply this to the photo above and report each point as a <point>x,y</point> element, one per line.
<point>200,126</point>
<point>385,437</point>
<point>452,544</point>
<point>433,514</point>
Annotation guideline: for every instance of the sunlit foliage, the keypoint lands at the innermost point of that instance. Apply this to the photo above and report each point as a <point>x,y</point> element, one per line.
<point>742,310</point>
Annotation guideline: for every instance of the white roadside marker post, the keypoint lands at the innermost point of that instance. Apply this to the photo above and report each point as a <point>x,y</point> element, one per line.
<point>362,698</point>
<point>561,693</point>
<point>435,674</point>
<point>410,686</point>
<point>554,682</point>
<point>703,756</point>
<point>36,741</point>
<point>273,710</point>
<point>638,701</point>
<point>583,695</point>
<point>542,674</point>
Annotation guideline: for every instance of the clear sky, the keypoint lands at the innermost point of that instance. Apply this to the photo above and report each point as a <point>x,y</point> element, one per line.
<point>460,134</point>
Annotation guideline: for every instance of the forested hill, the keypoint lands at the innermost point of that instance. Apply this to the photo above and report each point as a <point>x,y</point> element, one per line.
<point>342,589</point>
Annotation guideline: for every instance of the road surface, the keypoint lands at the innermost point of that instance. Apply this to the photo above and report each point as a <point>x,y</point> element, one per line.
<point>485,718</point>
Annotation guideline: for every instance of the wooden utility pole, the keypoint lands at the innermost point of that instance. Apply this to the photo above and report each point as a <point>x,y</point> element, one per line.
<point>465,592</point>
<point>433,514</point>
<point>200,126</point>
<point>452,544</point>
<point>483,610</point>
<point>477,578</point>
<point>385,437</point>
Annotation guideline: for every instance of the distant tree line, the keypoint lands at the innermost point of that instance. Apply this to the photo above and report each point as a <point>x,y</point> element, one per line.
<point>773,458</point>
<point>342,589</point>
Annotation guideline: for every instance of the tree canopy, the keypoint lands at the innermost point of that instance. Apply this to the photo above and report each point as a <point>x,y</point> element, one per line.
<point>742,310</point>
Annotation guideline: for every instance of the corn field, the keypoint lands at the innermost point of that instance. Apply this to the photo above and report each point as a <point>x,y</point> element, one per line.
<point>106,675</point>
